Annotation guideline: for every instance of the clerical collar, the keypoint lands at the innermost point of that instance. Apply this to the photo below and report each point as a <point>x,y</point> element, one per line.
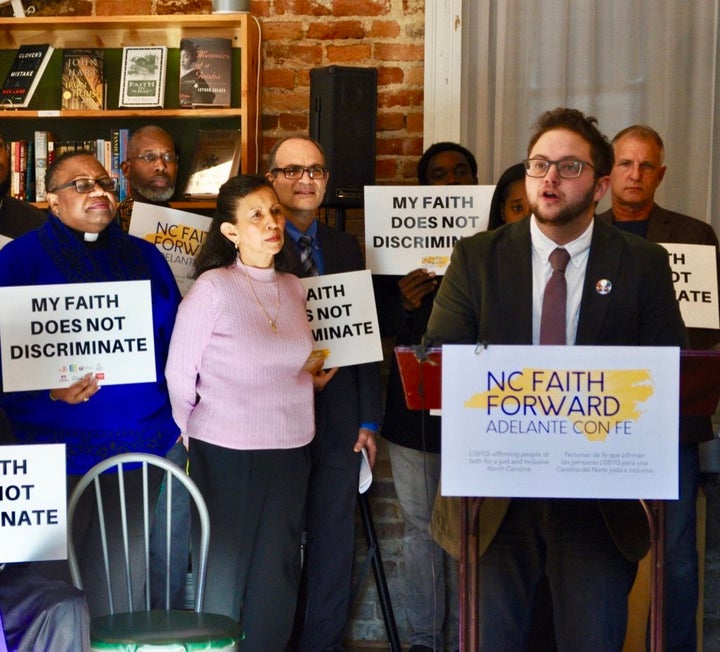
<point>90,239</point>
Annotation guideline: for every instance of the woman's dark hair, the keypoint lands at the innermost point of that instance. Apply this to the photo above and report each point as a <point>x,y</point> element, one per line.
<point>217,250</point>
<point>511,175</point>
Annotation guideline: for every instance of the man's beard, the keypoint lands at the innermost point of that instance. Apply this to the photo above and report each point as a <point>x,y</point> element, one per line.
<point>568,213</point>
<point>5,186</point>
<point>155,196</point>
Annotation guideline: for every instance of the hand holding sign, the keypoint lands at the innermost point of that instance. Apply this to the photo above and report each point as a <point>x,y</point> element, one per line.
<point>80,391</point>
<point>321,377</point>
<point>416,285</point>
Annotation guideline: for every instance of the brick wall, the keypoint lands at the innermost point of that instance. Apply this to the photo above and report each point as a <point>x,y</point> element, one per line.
<point>299,35</point>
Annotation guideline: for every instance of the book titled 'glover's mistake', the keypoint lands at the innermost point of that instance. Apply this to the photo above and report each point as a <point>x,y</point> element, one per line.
<point>24,74</point>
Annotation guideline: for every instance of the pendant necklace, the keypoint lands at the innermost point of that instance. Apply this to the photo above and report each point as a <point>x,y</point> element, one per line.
<point>272,321</point>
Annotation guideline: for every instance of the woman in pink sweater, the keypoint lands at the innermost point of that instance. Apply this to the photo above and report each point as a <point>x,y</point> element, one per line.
<point>242,393</point>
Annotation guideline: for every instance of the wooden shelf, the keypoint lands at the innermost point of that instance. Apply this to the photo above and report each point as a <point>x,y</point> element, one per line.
<point>112,33</point>
<point>123,113</point>
<point>199,204</point>
<point>118,31</point>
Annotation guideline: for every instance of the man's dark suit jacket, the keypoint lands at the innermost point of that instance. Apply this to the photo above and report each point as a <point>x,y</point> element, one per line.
<point>668,226</point>
<point>486,296</point>
<point>18,217</point>
<point>354,395</point>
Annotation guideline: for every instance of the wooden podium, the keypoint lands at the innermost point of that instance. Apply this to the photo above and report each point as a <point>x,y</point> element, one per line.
<point>420,371</point>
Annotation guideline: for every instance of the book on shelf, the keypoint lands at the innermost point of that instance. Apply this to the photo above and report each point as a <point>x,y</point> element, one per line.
<point>83,84</point>
<point>29,160</point>
<point>21,173</point>
<point>24,74</point>
<point>44,141</point>
<point>107,156</point>
<point>215,158</point>
<point>29,163</point>
<point>142,78</point>
<point>205,72</point>
<point>18,164</point>
<point>118,153</point>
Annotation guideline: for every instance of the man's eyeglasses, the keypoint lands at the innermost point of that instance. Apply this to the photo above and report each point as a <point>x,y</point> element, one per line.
<point>108,184</point>
<point>294,172</point>
<point>567,168</point>
<point>151,157</point>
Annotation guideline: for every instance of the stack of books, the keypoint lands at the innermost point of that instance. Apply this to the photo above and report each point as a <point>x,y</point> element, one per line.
<point>29,160</point>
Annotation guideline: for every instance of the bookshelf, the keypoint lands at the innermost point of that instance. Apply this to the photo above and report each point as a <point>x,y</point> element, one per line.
<point>112,33</point>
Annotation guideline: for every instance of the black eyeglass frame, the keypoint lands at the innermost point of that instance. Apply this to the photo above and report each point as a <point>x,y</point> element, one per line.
<point>295,172</point>
<point>574,161</point>
<point>151,157</point>
<point>108,184</point>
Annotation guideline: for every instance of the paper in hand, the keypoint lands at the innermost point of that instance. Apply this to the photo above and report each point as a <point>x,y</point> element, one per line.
<point>366,476</point>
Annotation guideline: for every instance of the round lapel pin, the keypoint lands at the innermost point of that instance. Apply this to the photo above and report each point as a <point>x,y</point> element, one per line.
<point>603,286</point>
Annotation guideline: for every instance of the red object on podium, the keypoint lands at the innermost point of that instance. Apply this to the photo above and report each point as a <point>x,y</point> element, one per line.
<point>420,372</point>
<point>421,375</point>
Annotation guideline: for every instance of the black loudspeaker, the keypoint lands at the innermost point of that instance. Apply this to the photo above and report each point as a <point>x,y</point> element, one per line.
<point>343,110</point>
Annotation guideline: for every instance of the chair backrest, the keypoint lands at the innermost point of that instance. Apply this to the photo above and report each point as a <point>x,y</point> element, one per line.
<point>120,466</point>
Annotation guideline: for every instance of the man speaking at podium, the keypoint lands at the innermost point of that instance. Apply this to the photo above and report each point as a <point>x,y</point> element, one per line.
<point>604,287</point>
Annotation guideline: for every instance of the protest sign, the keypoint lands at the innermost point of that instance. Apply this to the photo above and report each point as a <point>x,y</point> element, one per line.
<point>407,227</point>
<point>343,318</point>
<point>694,270</point>
<point>33,503</point>
<point>176,234</point>
<point>53,335</point>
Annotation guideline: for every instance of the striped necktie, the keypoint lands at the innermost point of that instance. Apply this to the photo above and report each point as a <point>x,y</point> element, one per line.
<point>307,260</point>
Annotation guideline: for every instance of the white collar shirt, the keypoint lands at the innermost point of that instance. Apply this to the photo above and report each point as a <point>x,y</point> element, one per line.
<point>579,250</point>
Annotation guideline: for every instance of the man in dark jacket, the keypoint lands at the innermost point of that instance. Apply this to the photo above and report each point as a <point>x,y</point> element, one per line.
<point>347,412</point>
<point>619,292</point>
<point>638,171</point>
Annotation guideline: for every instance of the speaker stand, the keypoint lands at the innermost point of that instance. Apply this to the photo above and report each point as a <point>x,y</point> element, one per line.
<point>373,555</point>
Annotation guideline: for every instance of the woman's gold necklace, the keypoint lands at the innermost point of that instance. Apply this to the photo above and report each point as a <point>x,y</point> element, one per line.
<point>271,321</point>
